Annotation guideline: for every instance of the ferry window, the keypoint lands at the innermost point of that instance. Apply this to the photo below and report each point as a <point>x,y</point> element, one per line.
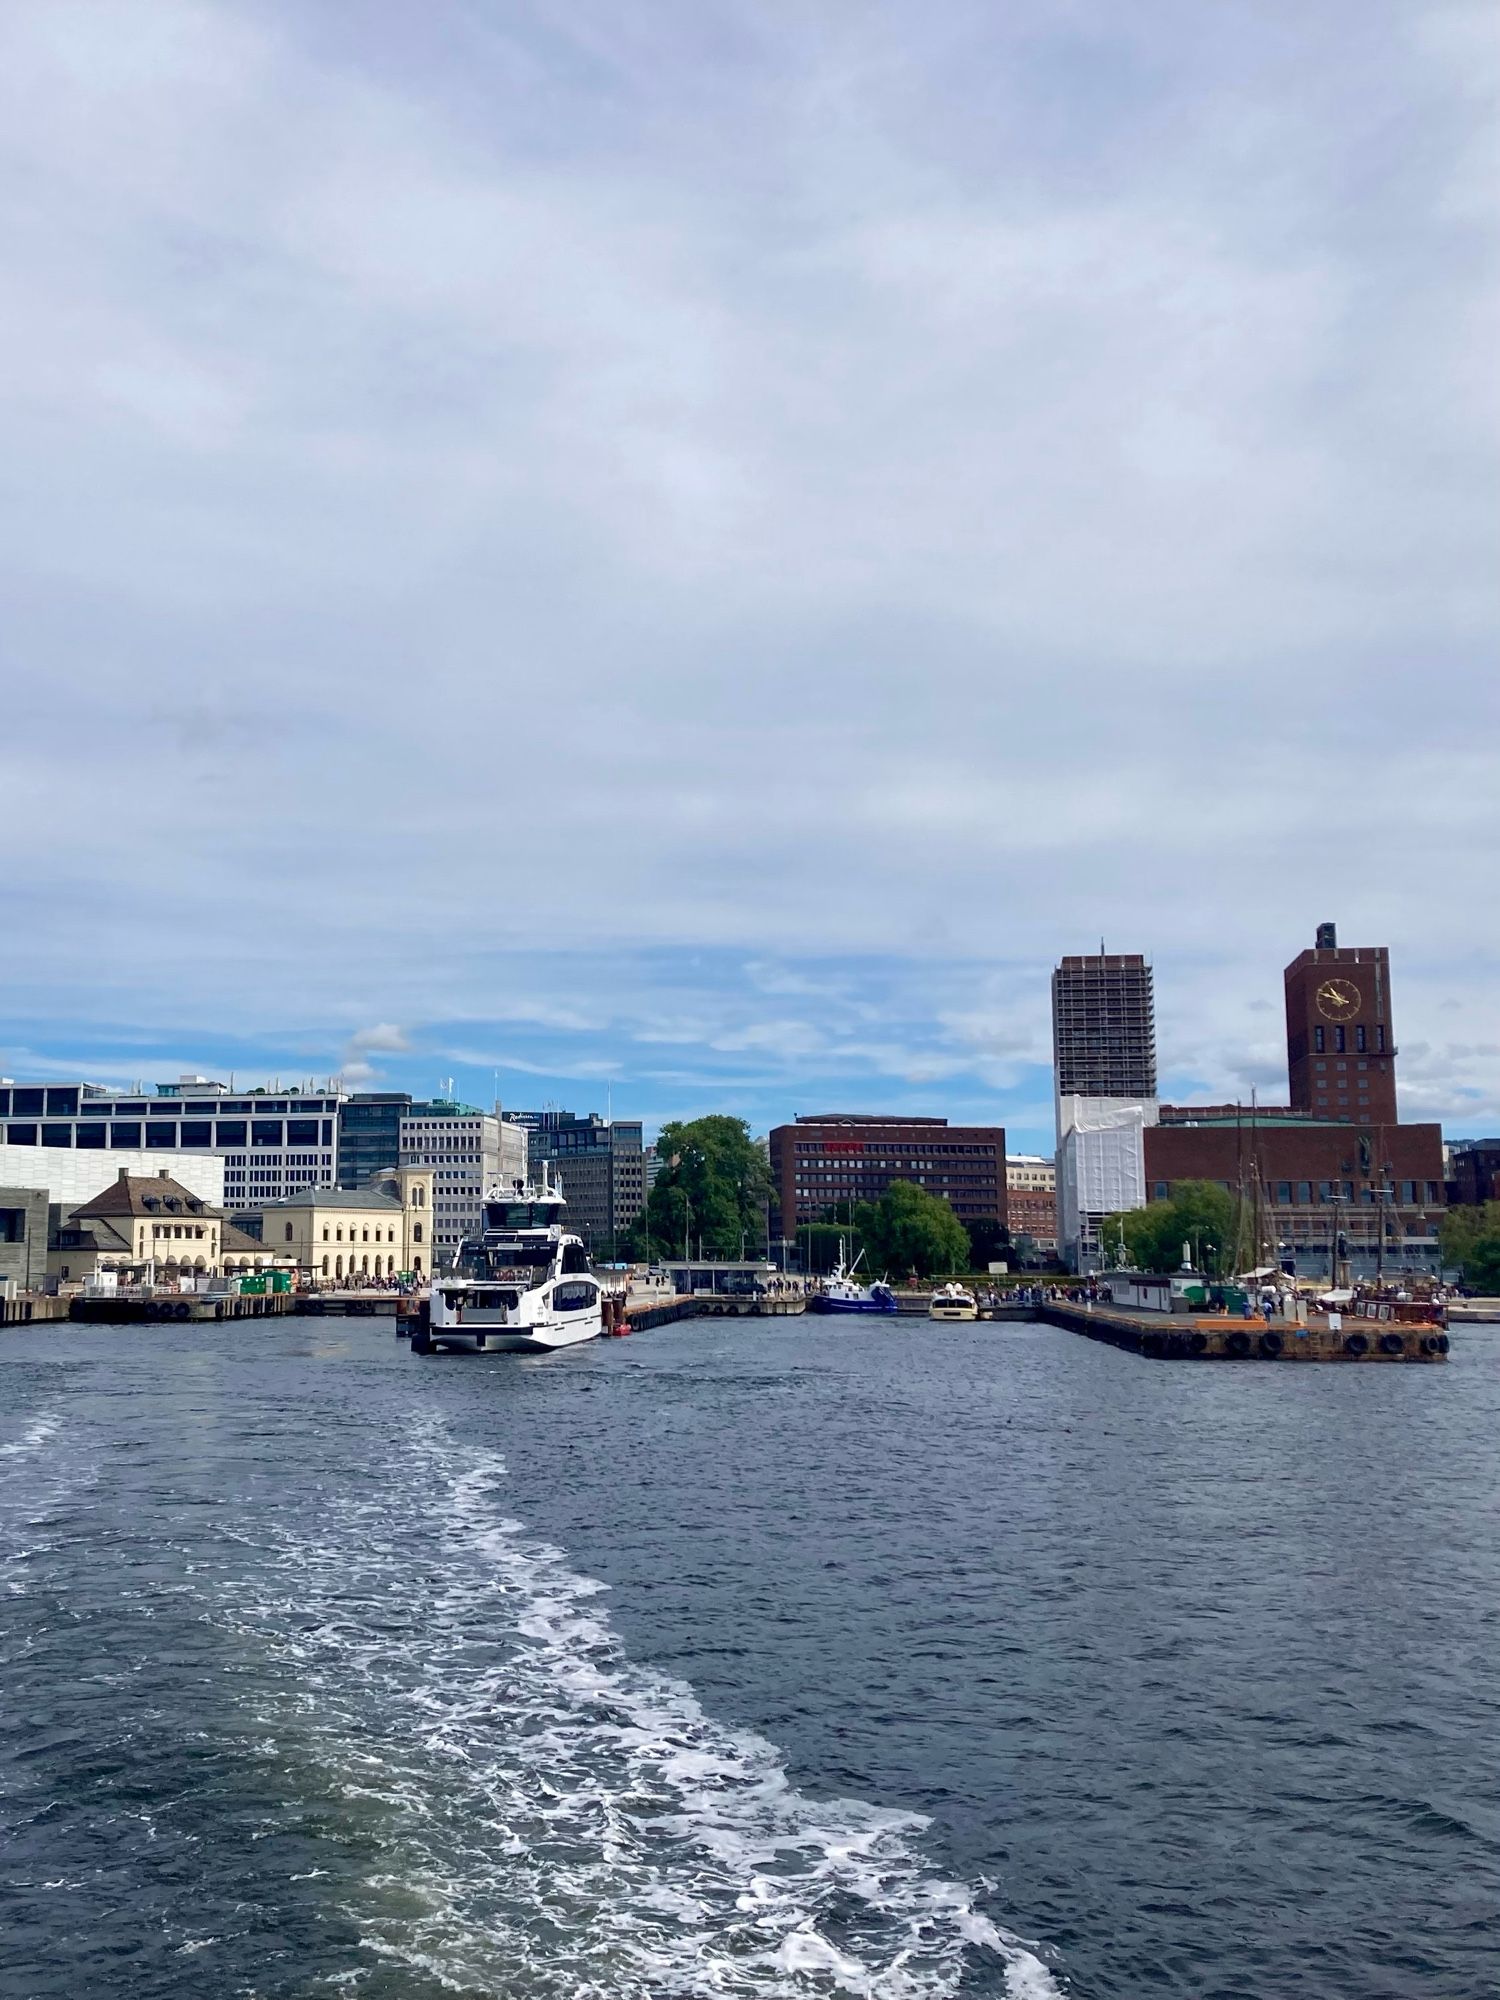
<point>575,1258</point>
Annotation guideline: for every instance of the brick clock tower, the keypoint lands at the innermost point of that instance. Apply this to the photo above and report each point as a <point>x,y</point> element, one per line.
<point>1340,1046</point>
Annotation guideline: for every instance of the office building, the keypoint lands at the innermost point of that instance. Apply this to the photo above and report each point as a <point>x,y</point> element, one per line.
<point>271,1142</point>
<point>468,1151</point>
<point>1474,1172</point>
<point>1340,1039</point>
<point>1104,1078</point>
<point>369,1139</point>
<point>821,1164</point>
<point>1031,1196</point>
<point>1104,1028</point>
<point>601,1164</point>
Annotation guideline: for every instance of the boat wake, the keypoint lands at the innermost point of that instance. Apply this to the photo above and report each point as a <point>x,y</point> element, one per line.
<point>550,1817</point>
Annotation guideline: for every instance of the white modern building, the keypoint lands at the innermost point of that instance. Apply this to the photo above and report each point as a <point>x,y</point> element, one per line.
<point>269,1142</point>
<point>468,1151</point>
<point>74,1175</point>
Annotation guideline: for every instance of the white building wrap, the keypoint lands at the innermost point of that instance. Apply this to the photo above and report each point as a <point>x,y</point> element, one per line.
<point>1101,1168</point>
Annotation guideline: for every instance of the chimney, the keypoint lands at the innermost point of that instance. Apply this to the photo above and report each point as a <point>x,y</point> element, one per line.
<point>123,1175</point>
<point>163,1173</point>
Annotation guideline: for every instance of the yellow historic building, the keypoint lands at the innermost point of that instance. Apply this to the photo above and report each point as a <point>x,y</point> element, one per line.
<point>143,1226</point>
<point>346,1234</point>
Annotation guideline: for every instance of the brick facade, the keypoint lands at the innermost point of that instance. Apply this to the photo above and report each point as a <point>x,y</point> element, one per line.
<point>821,1164</point>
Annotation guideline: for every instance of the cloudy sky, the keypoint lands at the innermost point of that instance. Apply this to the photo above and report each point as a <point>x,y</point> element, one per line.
<point>679,554</point>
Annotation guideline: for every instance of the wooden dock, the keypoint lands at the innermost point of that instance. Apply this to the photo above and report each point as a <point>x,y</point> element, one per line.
<point>200,1308</point>
<point>1201,1337</point>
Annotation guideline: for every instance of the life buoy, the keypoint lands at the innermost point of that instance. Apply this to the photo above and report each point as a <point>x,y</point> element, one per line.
<point>1271,1343</point>
<point>1355,1343</point>
<point>1238,1342</point>
<point>1392,1343</point>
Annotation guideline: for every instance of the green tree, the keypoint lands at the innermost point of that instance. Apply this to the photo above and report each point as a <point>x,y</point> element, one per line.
<point>1471,1241</point>
<point>989,1242</point>
<point>1197,1213</point>
<point>911,1231</point>
<point>712,1189</point>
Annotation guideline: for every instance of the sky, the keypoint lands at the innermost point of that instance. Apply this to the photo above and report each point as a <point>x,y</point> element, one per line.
<point>673,558</point>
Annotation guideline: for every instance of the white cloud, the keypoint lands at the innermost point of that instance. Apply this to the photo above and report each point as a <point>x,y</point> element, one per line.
<point>846,493</point>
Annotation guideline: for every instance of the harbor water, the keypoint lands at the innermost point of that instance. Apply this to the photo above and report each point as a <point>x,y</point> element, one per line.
<point>744,1658</point>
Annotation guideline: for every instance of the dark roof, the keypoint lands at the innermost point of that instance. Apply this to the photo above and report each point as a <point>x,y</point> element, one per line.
<point>365,1197</point>
<point>233,1238</point>
<point>148,1194</point>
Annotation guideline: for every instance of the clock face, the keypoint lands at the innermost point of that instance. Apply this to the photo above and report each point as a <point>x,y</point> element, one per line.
<point>1338,1000</point>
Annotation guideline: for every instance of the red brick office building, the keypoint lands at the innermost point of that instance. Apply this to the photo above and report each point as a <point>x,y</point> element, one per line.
<point>821,1164</point>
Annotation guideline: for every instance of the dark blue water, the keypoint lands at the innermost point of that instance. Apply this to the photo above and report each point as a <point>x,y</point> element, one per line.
<point>958,1661</point>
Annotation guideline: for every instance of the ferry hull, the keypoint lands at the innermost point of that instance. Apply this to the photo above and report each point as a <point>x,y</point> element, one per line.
<point>851,1308</point>
<point>545,1339</point>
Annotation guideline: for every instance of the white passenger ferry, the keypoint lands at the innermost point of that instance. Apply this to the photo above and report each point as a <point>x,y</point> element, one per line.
<point>523,1284</point>
<point>953,1302</point>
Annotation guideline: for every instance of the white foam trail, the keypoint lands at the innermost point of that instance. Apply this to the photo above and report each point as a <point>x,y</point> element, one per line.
<point>556,1818</point>
<point>33,1438</point>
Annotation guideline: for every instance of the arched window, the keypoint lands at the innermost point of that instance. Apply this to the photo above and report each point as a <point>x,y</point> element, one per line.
<point>416,1232</point>
<point>338,1269</point>
<point>289,1232</point>
<point>364,1265</point>
<point>325,1264</point>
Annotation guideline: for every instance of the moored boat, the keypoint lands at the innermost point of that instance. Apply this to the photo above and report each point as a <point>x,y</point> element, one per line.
<point>842,1293</point>
<point>953,1302</point>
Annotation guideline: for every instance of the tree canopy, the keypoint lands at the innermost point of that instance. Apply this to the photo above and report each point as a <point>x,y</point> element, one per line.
<point>1198,1213</point>
<point>711,1190</point>
<point>1471,1240</point>
<point>909,1231</point>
